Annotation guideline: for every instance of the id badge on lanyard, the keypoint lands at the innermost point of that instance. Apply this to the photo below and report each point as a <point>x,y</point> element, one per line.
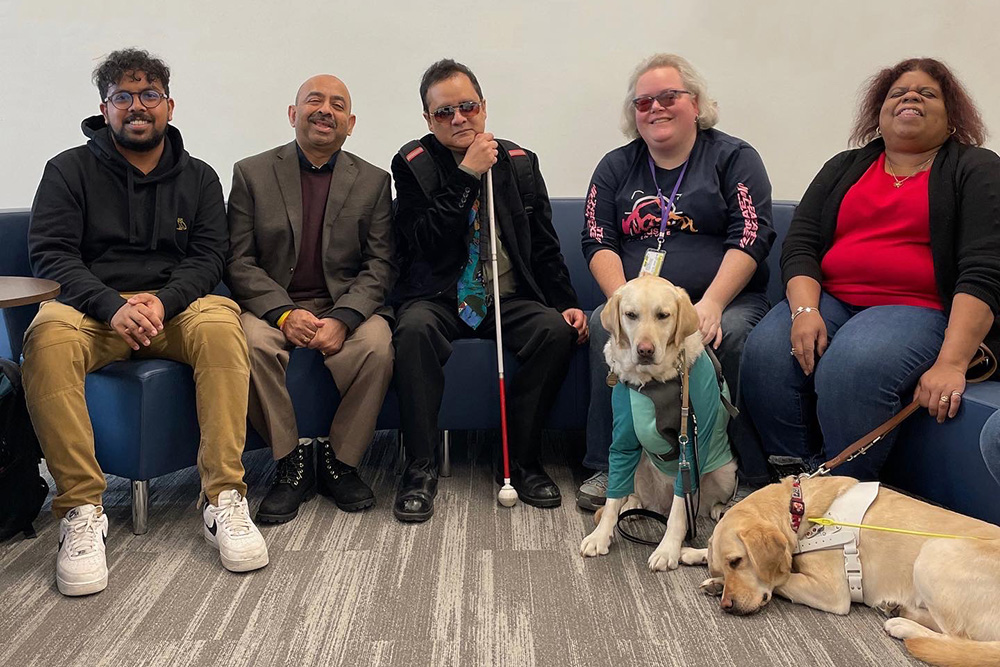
<point>652,262</point>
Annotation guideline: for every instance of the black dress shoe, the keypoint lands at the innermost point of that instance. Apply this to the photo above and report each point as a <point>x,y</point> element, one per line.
<point>533,485</point>
<point>294,483</point>
<point>417,488</point>
<point>783,466</point>
<point>337,480</point>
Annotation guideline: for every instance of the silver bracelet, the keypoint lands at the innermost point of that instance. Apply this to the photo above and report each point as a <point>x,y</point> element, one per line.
<point>804,309</point>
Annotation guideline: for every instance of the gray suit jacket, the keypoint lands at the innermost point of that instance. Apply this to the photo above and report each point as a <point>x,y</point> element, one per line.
<point>265,228</point>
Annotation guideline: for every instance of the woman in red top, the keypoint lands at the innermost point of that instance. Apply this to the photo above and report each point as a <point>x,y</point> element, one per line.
<point>892,275</point>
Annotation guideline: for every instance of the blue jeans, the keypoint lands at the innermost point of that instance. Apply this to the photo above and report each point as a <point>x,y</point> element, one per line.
<point>872,364</point>
<point>989,441</point>
<point>737,320</point>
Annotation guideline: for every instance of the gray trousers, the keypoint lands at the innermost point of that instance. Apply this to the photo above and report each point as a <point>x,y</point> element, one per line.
<point>361,370</point>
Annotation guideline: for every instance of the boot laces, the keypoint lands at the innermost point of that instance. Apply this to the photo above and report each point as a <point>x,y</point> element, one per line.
<point>289,470</point>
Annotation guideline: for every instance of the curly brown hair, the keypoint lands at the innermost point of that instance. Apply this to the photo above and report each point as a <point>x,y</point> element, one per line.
<point>962,112</point>
<point>130,61</point>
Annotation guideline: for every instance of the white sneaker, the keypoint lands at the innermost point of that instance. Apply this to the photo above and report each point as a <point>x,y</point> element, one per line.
<point>227,526</point>
<point>81,566</point>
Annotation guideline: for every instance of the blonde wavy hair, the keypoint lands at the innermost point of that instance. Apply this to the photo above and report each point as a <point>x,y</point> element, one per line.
<point>708,108</point>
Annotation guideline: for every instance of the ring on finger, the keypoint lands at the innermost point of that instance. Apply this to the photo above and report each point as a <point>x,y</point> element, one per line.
<point>945,399</point>
<point>956,393</point>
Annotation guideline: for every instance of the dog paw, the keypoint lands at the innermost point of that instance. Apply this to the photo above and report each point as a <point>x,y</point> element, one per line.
<point>904,628</point>
<point>662,560</point>
<point>718,509</point>
<point>691,556</point>
<point>712,586</point>
<point>595,545</point>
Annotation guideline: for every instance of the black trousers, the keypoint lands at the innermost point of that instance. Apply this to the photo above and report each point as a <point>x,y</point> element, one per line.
<point>542,340</point>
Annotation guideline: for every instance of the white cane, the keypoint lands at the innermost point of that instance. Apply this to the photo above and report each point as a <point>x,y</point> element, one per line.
<point>507,495</point>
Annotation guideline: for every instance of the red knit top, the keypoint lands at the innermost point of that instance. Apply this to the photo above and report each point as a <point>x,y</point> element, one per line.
<point>881,253</point>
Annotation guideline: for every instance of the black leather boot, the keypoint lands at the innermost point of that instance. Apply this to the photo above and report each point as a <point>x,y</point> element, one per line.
<point>294,483</point>
<point>340,481</point>
<point>417,488</point>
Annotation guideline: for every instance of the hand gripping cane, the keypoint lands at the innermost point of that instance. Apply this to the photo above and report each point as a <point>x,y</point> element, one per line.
<point>507,495</point>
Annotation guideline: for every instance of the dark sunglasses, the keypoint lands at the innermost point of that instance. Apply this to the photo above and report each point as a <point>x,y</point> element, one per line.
<point>149,98</point>
<point>665,99</point>
<point>468,109</point>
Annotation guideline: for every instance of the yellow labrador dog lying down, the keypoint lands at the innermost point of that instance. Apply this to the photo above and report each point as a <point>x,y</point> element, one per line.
<point>944,593</point>
<point>653,327</point>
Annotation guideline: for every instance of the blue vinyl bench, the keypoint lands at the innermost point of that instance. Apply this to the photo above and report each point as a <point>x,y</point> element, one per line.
<point>141,435</point>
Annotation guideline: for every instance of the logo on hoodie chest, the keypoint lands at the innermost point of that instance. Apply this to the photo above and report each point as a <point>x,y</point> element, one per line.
<point>181,225</point>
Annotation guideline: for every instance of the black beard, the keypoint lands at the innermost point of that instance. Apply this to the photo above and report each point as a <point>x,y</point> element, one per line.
<point>137,145</point>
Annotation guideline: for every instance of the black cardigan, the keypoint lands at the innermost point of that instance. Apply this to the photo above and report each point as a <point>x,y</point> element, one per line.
<point>964,205</point>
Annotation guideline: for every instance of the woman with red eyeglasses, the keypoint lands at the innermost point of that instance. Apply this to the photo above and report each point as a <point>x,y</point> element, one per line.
<point>892,273</point>
<point>686,202</point>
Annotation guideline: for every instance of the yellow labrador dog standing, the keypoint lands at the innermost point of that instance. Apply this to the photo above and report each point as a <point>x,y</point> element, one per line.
<point>650,321</point>
<point>944,592</point>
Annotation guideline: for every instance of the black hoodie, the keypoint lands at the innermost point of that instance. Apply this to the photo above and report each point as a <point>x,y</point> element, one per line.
<point>99,226</point>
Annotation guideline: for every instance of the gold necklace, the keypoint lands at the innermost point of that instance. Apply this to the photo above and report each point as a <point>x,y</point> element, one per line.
<point>899,181</point>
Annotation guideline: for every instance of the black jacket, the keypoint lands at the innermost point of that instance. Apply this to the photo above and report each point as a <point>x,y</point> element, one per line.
<point>100,227</point>
<point>964,207</point>
<point>431,235</point>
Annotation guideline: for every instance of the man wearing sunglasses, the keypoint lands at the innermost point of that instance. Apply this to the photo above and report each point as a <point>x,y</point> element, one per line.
<point>312,266</point>
<point>445,284</point>
<point>134,230</point>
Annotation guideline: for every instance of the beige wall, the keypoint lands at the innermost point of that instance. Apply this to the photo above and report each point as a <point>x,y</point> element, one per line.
<point>786,72</point>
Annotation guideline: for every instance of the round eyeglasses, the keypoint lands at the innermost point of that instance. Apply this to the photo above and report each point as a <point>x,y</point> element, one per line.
<point>148,98</point>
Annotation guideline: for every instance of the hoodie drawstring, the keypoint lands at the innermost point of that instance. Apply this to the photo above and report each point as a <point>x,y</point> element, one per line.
<point>133,226</point>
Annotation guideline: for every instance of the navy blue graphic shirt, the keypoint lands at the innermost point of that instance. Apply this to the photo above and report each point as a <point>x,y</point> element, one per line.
<point>724,202</point>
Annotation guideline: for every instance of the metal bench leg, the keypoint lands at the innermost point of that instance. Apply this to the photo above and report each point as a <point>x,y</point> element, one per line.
<point>140,506</point>
<point>445,453</point>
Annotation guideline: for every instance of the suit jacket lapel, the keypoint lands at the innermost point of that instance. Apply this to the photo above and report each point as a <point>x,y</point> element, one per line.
<point>344,174</point>
<point>506,195</point>
<point>286,169</point>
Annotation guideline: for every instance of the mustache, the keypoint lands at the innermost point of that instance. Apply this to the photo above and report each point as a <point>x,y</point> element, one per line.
<point>138,116</point>
<point>325,117</point>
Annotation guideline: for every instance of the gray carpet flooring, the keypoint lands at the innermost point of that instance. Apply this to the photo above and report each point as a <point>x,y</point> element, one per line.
<point>477,585</point>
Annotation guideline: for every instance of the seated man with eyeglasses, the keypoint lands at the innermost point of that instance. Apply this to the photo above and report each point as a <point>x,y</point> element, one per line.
<point>445,290</point>
<point>134,230</point>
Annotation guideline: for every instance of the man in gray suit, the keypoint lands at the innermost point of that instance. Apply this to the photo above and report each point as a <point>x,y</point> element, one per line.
<point>311,267</point>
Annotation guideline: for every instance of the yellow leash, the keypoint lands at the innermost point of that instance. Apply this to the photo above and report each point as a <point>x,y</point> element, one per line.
<point>830,522</point>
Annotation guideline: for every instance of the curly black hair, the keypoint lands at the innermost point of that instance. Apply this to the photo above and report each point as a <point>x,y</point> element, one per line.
<point>128,63</point>
<point>441,71</point>
<point>966,123</point>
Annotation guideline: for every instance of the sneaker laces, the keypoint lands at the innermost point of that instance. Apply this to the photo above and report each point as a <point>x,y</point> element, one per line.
<point>83,535</point>
<point>599,480</point>
<point>234,516</point>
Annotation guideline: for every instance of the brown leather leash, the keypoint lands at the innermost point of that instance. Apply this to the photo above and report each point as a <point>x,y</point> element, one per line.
<point>982,358</point>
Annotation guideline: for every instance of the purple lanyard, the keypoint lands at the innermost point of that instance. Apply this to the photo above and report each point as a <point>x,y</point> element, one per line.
<point>665,209</point>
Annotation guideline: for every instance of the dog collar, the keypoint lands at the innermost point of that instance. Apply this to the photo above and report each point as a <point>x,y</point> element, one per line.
<point>796,506</point>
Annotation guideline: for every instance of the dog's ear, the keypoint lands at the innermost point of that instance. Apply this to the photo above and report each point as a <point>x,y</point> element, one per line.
<point>611,319</point>
<point>687,317</point>
<point>769,552</point>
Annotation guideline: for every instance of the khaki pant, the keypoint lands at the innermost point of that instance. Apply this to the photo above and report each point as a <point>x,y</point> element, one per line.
<point>362,371</point>
<point>62,345</point>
